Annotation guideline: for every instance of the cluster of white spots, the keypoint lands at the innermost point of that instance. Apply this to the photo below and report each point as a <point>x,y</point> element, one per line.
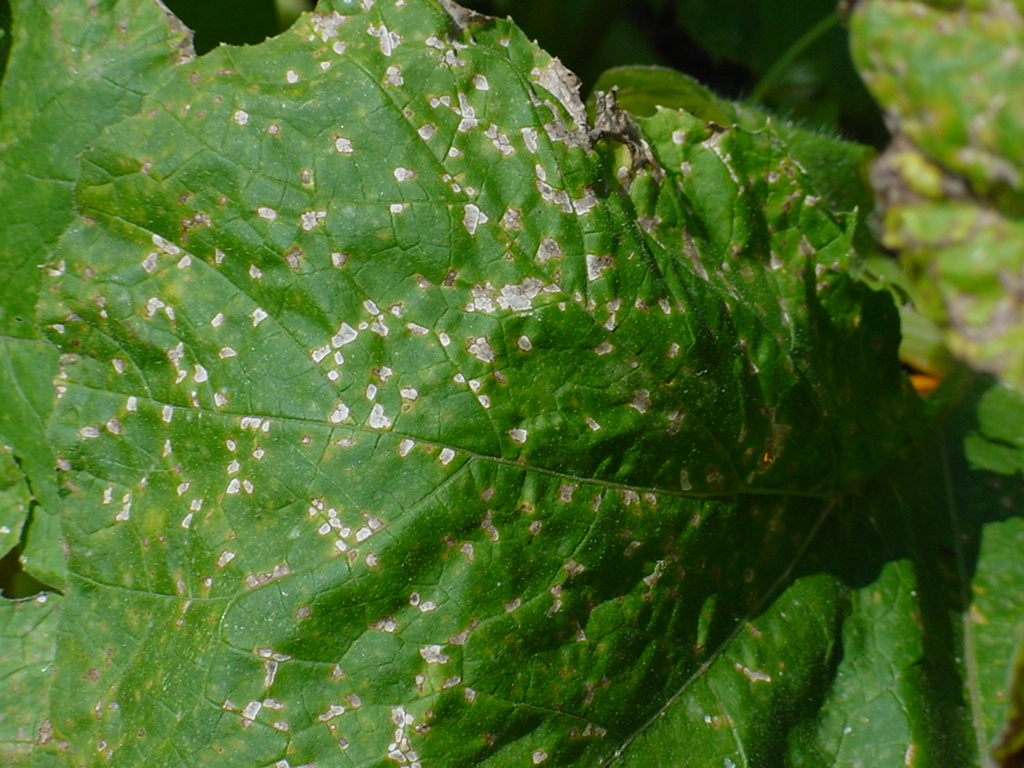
<point>343,145</point>
<point>516,297</point>
<point>399,750</point>
<point>266,212</point>
<point>236,485</point>
<point>326,24</point>
<point>385,624</point>
<point>271,660</point>
<point>641,400</point>
<point>480,348</point>
<point>425,606</point>
<point>393,76</point>
<point>126,508</point>
<point>58,269</point>
<point>556,604</point>
<point>254,580</point>
<point>312,219</point>
<point>333,711</point>
<point>596,265</point>
<point>582,206</point>
<point>613,307</point>
<point>499,140</point>
<point>473,217</point>
<point>240,116</point>
<point>518,435</point>
<point>250,711</point>
<point>378,419</point>
<point>339,414</point>
<point>333,522</point>
<point>153,305</point>
<point>388,40</point>
<point>549,249</point>
<point>468,114</point>
<point>558,197</point>
<point>512,219</point>
<point>530,139</point>
<point>432,654</point>
<point>573,569</point>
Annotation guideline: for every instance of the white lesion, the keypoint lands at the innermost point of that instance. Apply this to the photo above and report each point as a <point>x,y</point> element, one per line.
<point>312,219</point>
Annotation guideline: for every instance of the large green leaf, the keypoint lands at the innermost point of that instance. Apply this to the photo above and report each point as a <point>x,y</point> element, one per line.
<point>61,88</point>
<point>951,182</point>
<point>400,423</point>
<point>27,640</point>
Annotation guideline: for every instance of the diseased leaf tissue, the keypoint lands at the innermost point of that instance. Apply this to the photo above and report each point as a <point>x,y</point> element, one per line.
<point>399,424</point>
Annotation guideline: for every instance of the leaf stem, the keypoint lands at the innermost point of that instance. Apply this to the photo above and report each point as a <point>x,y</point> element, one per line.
<point>782,63</point>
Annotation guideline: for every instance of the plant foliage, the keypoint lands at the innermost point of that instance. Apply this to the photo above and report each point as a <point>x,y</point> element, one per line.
<point>371,400</point>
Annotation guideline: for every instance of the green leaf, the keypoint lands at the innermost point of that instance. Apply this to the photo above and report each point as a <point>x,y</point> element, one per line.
<point>26,369</point>
<point>59,90</point>
<point>27,639</point>
<point>951,181</point>
<point>394,426</point>
<point>14,501</point>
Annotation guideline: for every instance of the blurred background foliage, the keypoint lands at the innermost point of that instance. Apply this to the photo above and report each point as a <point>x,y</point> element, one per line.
<point>791,56</point>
